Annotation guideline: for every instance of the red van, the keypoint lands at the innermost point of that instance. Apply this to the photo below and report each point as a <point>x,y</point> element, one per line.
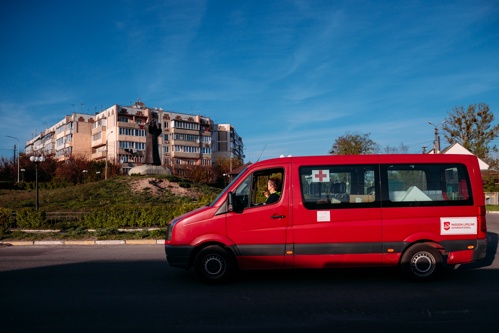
<point>420,212</point>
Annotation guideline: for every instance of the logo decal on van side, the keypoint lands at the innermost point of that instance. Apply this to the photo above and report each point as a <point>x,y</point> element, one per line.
<point>458,225</point>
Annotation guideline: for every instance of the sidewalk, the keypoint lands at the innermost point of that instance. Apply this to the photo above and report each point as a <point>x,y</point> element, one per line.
<point>83,242</point>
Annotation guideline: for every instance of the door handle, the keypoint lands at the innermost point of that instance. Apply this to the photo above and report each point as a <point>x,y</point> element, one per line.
<point>278,216</point>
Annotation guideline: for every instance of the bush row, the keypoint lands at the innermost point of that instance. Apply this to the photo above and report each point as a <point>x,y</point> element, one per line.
<point>108,218</point>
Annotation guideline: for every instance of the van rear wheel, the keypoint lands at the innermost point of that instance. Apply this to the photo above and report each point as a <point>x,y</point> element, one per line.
<point>214,265</point>
<point>421,263</point>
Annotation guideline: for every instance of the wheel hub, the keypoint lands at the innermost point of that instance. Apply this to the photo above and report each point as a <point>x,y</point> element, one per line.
<point>213,265</point>
<point>423,264</point>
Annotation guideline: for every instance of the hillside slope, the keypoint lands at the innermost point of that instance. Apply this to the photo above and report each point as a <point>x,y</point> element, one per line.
<point>125,190</point>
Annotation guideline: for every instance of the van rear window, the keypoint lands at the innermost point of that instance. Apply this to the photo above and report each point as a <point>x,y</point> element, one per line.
<point>425,185</point>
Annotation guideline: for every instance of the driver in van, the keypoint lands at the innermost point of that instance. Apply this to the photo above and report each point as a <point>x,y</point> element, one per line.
<point>272,194</point>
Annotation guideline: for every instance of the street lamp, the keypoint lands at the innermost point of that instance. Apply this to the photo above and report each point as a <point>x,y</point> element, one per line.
<point>85,175</point>
<point>37,160</point>
<point>436,142</point>
<point>18,148</point>
<point>105,176</point>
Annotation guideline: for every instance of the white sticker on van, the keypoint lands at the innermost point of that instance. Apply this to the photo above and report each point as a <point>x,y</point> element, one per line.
<point>320,176</point>
<point>458,225</point>
<point>323,216</point>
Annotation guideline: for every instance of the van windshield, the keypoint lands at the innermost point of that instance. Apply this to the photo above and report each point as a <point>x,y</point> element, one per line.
<point>228,186</point>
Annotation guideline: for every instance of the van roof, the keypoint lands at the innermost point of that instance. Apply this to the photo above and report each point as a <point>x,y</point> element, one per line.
<point>375,158</point>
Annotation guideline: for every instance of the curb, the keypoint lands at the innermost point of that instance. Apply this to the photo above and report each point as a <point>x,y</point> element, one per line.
<point>86,243</point>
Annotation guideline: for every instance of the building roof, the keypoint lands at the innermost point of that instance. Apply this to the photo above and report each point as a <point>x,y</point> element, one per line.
<point>457,149</point>
<point>236,171</point>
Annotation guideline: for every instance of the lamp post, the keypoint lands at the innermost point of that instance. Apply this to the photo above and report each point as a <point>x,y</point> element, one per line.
<point>85,175</point>
<point>18,147</point>
<point>105,176</point>
<point>37,160</point>
<point>436,142</point>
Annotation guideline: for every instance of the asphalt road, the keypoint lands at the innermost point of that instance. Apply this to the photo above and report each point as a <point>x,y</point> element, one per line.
<point>125,288</point>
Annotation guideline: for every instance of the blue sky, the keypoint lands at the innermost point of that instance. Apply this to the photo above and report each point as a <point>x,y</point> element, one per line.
<point>290,76</point>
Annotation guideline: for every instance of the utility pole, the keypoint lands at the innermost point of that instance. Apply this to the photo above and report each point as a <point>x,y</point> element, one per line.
<point>14,157</point>
<point>436,140</point>
<point>18,148</point>
<point>107,149</point>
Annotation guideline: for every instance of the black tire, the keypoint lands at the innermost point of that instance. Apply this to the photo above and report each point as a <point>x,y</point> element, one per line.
<point>214,265</point>
<point>421,263</point>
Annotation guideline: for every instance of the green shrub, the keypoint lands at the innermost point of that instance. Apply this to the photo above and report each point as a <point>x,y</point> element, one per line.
<point>106,232</point>
<point>28,218</point>
<point>6,220</point>
<point>127,217</point>
<point>78,231</point>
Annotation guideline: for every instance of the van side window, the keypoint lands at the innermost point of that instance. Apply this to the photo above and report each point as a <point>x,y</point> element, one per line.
<point>426,185</point>
<point>254,190</point>
<point>344,186</point>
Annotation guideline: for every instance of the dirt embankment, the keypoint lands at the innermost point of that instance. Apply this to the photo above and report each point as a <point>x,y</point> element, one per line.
<point>158,187</point>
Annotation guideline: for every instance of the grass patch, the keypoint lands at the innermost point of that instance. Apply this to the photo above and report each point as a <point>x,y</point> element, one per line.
<point>112,192</point>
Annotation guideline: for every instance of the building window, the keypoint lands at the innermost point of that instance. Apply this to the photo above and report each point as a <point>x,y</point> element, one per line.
<point>97,136</point>
<point>186,149</point>
<point>186,137</point>
<point>222,136</point>
<point>185,125</point>
<point>132,132</point>
<point>222,146</point>
<point>132,145</point>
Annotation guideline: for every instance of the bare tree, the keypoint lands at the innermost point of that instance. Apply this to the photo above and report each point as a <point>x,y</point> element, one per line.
<point>472,128</point>
<point>401,149</point>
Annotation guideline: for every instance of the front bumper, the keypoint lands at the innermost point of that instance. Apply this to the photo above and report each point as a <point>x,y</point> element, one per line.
<point>178,256</point>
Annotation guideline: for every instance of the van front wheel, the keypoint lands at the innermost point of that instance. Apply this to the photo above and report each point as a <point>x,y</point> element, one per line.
<point>214,265</point>
<point>421,263</point>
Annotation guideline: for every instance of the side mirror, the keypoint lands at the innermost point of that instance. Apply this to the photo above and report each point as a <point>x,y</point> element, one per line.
<point>233,205</point>
<point>230,201</point>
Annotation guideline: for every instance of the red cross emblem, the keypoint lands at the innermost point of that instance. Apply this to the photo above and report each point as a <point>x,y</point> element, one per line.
<point>320,176</point>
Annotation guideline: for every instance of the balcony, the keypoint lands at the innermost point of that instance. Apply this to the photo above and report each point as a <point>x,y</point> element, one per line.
<point>99,155</point>
<point>134,125</point>
<point>185,155</point>
<point>98,129</point>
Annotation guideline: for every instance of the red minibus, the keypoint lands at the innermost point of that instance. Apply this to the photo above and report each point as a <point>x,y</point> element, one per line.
<point>420,212</point>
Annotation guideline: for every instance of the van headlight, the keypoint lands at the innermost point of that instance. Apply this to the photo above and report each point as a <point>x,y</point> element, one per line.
<point>169,230</point>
